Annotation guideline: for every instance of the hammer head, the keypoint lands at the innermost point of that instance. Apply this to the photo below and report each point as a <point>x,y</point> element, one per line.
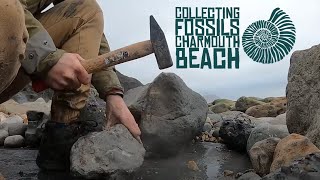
<point>160,45</point>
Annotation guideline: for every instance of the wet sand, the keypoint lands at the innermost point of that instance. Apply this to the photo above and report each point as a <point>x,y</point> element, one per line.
<point>211,158</point>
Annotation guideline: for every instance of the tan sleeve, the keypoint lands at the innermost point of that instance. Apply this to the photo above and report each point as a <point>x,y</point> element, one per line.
<point>106,81</point>
<point>41,53</point>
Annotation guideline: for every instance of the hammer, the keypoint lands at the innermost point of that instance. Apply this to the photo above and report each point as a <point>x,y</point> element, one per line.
<point>157,45</point>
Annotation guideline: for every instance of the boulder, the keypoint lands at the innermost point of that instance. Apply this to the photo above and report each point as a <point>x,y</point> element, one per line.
<point>106,154</point>
<point>222,105</point>
<point>265,131</point>
<point>3,135</point>
<point>303,94</point>
<point>244,103</point>
<point>279,120</point>
<point>235,133</point>
<point>292,148</point>
<point>272,109</point>
<point>261,155</point>
<point>262,120</point>
<point>237,115</point>
<point>214,117</point>
<point>307,168</point>
<point>249,176</point>
<point>14,141</point>
<point>169,113</point>
<point>128,82</point>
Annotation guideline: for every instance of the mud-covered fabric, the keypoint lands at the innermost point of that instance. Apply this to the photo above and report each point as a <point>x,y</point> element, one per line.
<point>41,54</point>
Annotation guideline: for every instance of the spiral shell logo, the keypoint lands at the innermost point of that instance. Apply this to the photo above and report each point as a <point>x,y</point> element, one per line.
<point>270,41</point>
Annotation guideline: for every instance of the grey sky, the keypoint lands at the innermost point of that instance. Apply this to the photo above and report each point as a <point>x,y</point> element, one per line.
<point>127,22</point>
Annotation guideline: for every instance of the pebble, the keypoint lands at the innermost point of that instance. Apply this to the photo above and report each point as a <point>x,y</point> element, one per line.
<point>193,166</point>
<point>14,141</point>
<point>207,127</point>
<point>3,135</point>
<point>227,173</point>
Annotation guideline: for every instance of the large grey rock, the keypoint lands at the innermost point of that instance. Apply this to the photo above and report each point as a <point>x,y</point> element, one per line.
<point>303,115</point>
<point>106,154</point>
<point>14,141</point>
<point>128,82</point>
<point>3,135</point>
<point>265,131</point>
<point>307,168</point>
<point>261,155</point>
<point>169,113</point>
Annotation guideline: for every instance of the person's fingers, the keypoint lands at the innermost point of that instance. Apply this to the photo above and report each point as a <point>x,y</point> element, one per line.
<point>81,72</point>
<point>132,126</point>
<point>139,139</point>
<point>73,82</point>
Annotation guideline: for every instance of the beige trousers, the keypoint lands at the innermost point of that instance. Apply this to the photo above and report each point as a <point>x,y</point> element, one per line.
<point>75,26</point>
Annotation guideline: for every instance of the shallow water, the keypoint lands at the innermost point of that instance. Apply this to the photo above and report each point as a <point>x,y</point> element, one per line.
<point>211,158</point>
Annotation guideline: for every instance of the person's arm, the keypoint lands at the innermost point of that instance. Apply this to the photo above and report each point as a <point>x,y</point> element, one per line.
<point>60,70</point>
<point>41,53</point>
<point>106,82</point>
<point>109,88</point>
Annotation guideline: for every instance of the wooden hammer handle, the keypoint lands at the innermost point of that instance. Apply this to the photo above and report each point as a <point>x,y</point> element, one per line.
<point>118,56</point>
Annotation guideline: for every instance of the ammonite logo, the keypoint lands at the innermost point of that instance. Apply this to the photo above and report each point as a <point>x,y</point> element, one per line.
<point>270,41</point>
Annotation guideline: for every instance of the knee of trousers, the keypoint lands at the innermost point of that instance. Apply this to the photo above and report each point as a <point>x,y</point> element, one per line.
<point>87,10</point>
<point>13,35</point>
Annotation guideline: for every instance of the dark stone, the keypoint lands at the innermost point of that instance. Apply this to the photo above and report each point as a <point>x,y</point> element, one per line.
<point>33,134</point>
<point>235,133</point>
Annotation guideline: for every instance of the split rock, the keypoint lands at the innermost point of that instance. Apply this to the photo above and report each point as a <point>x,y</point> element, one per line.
<point>106,153</point>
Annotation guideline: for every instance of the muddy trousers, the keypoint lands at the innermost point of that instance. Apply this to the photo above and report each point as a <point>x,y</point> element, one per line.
<point>75,26</point>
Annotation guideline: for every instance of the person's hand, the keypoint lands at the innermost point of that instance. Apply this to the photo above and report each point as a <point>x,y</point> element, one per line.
<point>117,112</point>
<point>68,73</point>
